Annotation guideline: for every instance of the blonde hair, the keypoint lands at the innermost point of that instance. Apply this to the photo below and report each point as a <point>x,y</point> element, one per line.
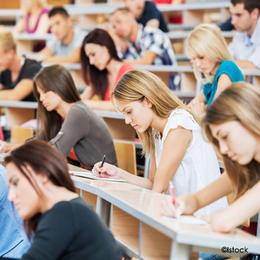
<point>240,102</point>
<point>7,41</point>
<point>39,3</point>
<point>206,40</point>
<point>136,85</point>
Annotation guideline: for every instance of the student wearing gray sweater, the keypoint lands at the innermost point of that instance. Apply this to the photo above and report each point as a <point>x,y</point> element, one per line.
<point>67,122</point>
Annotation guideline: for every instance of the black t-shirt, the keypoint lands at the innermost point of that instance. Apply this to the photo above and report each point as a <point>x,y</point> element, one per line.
<point>71,230</point>
<point>151,12</point>
<point>28,71</point>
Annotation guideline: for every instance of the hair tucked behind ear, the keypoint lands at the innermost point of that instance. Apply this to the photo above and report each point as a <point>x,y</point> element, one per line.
<point>136,85</point>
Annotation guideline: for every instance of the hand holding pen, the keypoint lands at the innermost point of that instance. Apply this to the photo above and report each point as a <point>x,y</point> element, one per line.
<point>172,191</point>
<point>102,164</point>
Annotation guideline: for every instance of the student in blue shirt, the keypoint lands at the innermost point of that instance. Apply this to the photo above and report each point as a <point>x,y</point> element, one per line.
<point>14,242</point>
<point>212,63</point>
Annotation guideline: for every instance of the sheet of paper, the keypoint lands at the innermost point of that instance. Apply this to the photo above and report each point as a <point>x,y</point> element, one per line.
<point>90,175</point>
<point>188,220</point>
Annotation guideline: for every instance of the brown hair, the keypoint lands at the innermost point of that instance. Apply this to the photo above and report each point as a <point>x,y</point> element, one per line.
<point>58,79</point>
<point>43,159</point>
<point>240,102</point>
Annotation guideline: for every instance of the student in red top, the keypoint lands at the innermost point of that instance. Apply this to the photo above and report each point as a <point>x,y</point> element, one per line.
<point>101,68</point>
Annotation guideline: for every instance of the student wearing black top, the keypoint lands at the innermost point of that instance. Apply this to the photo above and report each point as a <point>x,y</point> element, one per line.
<point>146,13</point>
<point>61,224</point>
<point>16,72</point>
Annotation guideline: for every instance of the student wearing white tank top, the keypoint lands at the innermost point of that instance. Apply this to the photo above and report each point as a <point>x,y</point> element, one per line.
<point>170,135</point>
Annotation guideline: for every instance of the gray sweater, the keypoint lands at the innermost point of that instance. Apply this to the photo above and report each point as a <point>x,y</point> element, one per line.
<point>87,134</point>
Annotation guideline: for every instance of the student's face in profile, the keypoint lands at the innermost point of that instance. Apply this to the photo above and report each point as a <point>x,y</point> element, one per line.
<point>122,24</point>
<point>98,55</point>
<point>6,58</point>
<point>241,18</point>
<point>135,6</point>
<point>138,114</point>
<point>204,64</point>
<point>236,141</point>
<point>60,26</point>
<point>22,193</point>
<point>50,100</point>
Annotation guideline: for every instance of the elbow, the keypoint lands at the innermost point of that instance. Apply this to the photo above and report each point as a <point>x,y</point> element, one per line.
<point>221,226</point>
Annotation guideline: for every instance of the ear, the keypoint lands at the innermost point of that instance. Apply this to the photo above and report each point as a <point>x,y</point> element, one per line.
<point>147,102</point>
<point>255,13</point>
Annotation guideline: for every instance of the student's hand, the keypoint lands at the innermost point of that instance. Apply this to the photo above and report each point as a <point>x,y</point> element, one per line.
<point>4,147</point>
<point>185,205</point>
<point>108,170</point>
<point>218,221</point>
<point>198,108</point>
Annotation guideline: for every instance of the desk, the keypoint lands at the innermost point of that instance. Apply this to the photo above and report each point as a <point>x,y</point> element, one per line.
<point>18,112</point>
<point>131,214</point>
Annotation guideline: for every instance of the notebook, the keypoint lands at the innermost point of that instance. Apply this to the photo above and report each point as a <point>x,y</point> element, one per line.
<point>90,175</point>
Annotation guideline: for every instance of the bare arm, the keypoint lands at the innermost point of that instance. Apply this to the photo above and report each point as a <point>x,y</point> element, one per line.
<point>174,148</point>
<point>242,209</point>
<point>44,25</point>
<point>224,81</point>
<point>189,203</point>
<point>245,64</point>
<point>153,23</point>
<point>87,94</point>
<point>22,89</point>
<point>20,26</point>
<point>74,57</point>
<point>147,59</point>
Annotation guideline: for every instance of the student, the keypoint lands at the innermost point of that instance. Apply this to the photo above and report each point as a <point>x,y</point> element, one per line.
<point>146,45</point>
<point>212,64</point>
<point>35,19</point>
<point>16,72</point>
<point>146,13</point>
<point>68,123</point>
<point>101,68</point>
<point>61,224</point>
<point>14,242</point>
<point>65,46</point>
<point>245,46</point>
<point>170,136</point>
<point>231,124</point>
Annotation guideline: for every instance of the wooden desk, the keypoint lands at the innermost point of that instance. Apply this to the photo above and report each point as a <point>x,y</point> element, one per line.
<point>132,215</point>
<point>18,112</point>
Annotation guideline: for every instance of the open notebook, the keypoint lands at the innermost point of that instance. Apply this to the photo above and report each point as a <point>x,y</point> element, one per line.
<point>188,220</point>
<point>90,175</point>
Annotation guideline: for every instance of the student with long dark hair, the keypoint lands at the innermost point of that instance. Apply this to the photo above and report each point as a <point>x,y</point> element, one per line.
<point>60,223</point>
<point>68,123</point>
<point>101,68</point>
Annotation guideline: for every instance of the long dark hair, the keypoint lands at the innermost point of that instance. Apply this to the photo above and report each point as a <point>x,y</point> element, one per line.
<point>43,159</point>
<point>58,79</point>
<point>92,76</point>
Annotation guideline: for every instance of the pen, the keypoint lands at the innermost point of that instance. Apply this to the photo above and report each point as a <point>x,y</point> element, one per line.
<point>172,191</point>
<point>102,163</point>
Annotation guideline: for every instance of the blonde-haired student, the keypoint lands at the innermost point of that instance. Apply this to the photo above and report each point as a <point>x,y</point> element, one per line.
<point>232,125</point>
<point>213,64</point>
<point>170,135</point>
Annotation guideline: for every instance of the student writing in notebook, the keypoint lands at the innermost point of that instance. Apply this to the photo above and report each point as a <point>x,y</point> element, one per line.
<point>232,125</point>
<point>60,224</point>
<point>170,135</point>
